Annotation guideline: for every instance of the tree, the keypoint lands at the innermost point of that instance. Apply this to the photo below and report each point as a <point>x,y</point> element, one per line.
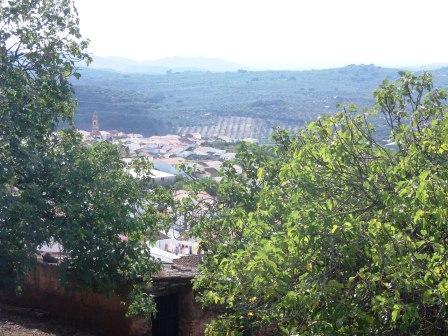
<point>53,187</point>
<point>39,45</point>
<point>331,232</point>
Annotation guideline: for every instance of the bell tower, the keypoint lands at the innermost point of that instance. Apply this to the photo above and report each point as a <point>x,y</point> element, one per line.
<point>95,125</point>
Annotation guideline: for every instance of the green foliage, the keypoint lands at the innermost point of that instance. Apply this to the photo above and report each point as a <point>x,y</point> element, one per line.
<point>52,187</point>
<point>330,232</point>
<point>104,218</point>
<point>39,45</point>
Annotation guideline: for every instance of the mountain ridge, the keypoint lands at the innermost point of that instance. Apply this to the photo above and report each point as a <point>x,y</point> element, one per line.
<point>160,66</point>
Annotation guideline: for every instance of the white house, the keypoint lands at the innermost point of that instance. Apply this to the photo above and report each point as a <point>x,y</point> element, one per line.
<point>163,256</point>
<point>159,177</point>
<point>162,178</point>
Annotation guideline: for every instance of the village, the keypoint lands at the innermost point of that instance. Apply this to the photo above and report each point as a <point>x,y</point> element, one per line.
<point>202,155</point>
<point>171,156</point>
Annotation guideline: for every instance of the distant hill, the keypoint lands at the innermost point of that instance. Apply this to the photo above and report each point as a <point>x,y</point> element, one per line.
<point>427,67</point>
<point>161,66</point>
<point>163,103</point>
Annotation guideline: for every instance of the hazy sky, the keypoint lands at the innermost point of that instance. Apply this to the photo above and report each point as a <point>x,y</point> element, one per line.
<point>271,33</point>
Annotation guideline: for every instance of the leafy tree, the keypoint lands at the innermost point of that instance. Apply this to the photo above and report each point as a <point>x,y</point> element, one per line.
<point>52,187</point>
<point>332,232</point>
<point>105,219</point>
<point>39,45</point>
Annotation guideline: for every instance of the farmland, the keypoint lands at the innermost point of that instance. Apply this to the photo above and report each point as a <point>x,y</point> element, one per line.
<point>166,103</point>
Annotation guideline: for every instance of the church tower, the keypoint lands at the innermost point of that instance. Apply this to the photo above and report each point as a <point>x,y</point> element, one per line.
<point>95,126</point>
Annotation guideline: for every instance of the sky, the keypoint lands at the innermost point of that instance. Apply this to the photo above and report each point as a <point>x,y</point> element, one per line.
<point>271,34</point>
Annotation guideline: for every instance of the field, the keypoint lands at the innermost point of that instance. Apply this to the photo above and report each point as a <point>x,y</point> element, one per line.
<point>235,128</point>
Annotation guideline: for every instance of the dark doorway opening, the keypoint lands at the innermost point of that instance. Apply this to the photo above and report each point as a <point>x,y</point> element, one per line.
<point>166,322</point>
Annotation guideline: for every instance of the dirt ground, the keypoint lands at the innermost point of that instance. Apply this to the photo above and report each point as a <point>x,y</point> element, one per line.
<point>16,321</point>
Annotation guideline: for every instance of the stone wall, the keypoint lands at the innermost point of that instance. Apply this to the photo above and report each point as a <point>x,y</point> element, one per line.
<point>192,318</point>
<point>100,312</point>
<point>42,290</point>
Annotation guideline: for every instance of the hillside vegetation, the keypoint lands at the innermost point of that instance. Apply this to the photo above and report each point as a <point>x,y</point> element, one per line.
<point>159,104</point>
